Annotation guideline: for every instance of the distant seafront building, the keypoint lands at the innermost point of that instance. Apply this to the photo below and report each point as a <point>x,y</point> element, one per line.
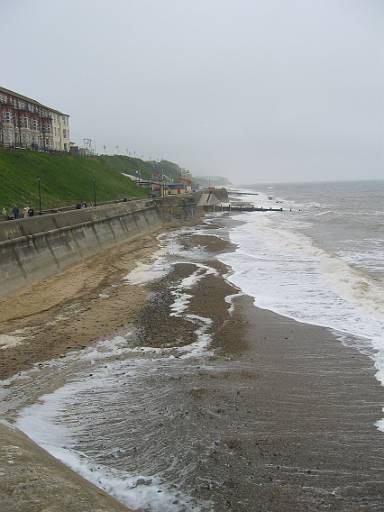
<point>186,179</point>
<point>26,123</point>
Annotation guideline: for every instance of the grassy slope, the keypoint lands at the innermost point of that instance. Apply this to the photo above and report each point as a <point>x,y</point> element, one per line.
<point>65,179</point>
<point>130,165</point>
<point>121,163</point>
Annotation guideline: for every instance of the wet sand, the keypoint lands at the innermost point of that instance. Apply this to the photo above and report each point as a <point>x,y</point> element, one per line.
<point>291,419</point>
<point>284,410</point>
<point>73,309</point>
<point>281,418</point>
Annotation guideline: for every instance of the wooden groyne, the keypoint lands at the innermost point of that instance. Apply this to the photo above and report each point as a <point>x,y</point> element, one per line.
<point>243,193</point>
<point>237,208</point>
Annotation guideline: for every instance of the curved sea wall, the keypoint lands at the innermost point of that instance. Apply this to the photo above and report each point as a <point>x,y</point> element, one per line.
<point>38,481</point>
<point>34,248</point>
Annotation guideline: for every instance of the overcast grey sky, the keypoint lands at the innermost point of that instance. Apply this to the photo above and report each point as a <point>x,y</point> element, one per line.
<point>255,90</point>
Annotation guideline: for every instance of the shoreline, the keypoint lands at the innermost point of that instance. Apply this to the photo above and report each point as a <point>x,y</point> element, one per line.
<point>43,482</point>
<point>286,410</point>
<point>74,308</point>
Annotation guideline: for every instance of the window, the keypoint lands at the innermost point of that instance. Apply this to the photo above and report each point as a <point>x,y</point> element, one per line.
<point>7,116</point>
<point>23,123</point>
<point>3,98</point>
<point>35,124</point>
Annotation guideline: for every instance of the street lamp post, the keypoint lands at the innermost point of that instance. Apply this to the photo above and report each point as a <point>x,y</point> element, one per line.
<point>94,191</point>
<point>39,192</point>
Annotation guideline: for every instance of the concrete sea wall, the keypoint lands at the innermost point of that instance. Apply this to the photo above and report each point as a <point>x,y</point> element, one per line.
<point>35,248</point>
<point>38,482</point>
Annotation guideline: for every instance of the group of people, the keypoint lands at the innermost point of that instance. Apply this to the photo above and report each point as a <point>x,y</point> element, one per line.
<point>22,213</point>
<point>17,213</point>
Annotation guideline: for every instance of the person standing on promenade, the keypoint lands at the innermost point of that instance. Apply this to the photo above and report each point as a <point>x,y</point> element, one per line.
<point>15,212</point>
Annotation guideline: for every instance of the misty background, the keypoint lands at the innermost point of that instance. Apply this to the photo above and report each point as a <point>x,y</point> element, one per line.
<point>254,90</point>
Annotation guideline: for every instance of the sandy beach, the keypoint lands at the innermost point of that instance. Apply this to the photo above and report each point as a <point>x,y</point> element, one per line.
<point>72,309</point>
<point>280,417</point>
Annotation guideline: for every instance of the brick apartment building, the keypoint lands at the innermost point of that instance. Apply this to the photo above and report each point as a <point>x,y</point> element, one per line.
<point>26,123</point>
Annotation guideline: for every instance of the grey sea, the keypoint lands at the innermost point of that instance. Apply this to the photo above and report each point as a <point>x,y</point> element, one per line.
<point>322,262</point>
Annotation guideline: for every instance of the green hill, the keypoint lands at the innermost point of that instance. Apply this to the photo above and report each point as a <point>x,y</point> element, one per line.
<point>65,179</point>
<point>148,169</point>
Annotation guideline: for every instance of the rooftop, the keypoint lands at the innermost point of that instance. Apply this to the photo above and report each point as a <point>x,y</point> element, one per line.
<point>30,100</point>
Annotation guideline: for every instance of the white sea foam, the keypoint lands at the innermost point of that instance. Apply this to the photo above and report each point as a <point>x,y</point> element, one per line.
<point>329,212</point>
<point>180,306</point>
<point>327,280</point>
<point>369,255</point>
<point>164,259</point>
<point>167,257</point>
<point>59,419</point>
<point>9,341</point>
<point>156,268</point>
<point>182,299</point>
<point>285,272</point>
<point>230,299</point>
<point>51,424</point>
<point>201,346</point>
<point>147,272</point>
